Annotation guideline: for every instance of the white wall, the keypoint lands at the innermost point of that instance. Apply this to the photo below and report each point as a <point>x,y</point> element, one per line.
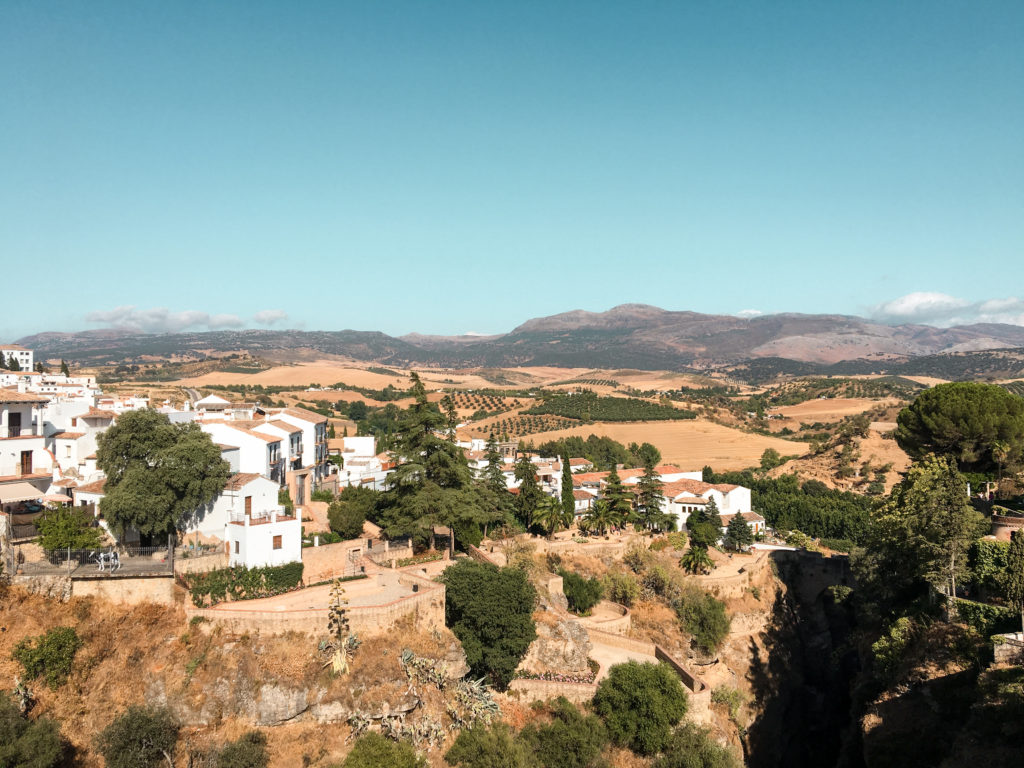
<point>252,544</point>
<point>212,519</point>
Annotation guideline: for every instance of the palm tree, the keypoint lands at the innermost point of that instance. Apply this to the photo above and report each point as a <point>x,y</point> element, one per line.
<point>697,560</point>
<point>549,515</point>
<point>599,517</point>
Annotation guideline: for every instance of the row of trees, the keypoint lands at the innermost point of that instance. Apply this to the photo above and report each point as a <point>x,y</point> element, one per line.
<point>602,451</point>
<point>588,406</point>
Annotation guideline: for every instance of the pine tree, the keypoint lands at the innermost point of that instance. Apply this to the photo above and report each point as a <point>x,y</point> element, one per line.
<point>530,494</point>
<point>568,499</point>
<point>649,498</point>
<point>620,506</point>
<point>1013,580</point>
<point>13,364</point>
<point>711,510</point>
<point>738,535</point>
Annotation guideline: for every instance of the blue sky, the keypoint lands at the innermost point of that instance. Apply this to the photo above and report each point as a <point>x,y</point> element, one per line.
<point>445,167</point>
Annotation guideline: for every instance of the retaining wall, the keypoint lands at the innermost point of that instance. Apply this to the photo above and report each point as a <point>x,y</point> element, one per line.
<point>200,563</point>
<point>130,591</point>
<point>619,625</point>
<point>1009,649</point>
<point>542,690</point>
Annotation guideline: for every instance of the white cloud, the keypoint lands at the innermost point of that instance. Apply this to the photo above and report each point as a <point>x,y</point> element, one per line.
<point>943,310</point>
<point>161,319</point>
<point>746,313</point>
<point>269,316</point>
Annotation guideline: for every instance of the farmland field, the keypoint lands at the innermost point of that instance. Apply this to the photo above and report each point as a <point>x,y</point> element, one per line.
<point>830,409</point>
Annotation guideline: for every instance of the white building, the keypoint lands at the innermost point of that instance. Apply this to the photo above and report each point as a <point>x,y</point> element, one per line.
<point>25,463</point>
<point>255,529</point>
<point>258,453</point>
<point>24,357</point>
<point>682,497</point>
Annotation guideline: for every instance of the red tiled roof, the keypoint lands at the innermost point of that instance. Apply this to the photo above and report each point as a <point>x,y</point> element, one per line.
<point>96,486</point>
<point>304,415</point>
<point>13,396</point>
<point>96,413</point>
<point>67,435</point>
<point>240,480</point>
<point>752,517</point>
<point>624,474</point>
<point>582,496</point>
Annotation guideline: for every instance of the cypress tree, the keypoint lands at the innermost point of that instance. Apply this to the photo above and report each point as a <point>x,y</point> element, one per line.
<point>568,500</point>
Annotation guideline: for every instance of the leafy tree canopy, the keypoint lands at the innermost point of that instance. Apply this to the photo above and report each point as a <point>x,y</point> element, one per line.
<point>375,751</point>
<point>141,737</point>
<point>640,704</point>
<point>490,610</point>
<point>353,506</point>
<point>980,426</point>
<point>248,751</point>
<point>28,743</point>
<point>60,528</point>
<point>495,746</point>
<point>692,747</point>
<point>159,475</point>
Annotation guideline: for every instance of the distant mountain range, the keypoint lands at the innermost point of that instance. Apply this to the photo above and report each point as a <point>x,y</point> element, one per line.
<point>627,336</point>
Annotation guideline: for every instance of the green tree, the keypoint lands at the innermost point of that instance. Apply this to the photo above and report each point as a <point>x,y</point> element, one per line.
<point>64,368</point>
<point>711,511</point>
<point>618,499</point>
<point>581,594</point>
<point>649,499</point>
<point>640,704</point>
<point>490,610</point>
<point>697,560</point>
<point>375,751</point>
<point>704,618</point>
<point>598,518</point>
<point>570,740</point>
<point>28,743</point>
<point>692,747</point>
<point>530,495</point>
<point>49,655</point>
<point>160,476</point>
<point>357,410</point>
<point>1013,580</point>
<point>980,426</point>
<point>770,459</point>
<point>248,751</point>
<point>13,364</point>
<point>432,485</point>
<point>738,535</point>
<point>550,515</point>
<point>494,746</point>
<point>60,528</point>
<point>923,531</point>
<point>354,505</point>
<point>568,499</point>
<point>140,737</point>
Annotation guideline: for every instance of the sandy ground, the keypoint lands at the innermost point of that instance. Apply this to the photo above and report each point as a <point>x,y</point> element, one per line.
<point>830,409</point>
<point>689,444</point>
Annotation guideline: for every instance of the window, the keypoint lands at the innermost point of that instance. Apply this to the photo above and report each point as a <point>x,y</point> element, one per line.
<point>236,547</point>
<point>277,542</point>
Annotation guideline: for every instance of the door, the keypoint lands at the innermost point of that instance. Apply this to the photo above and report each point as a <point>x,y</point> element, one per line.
<point>14,425</point>
<point>248,506</point>
<point>26,462</point>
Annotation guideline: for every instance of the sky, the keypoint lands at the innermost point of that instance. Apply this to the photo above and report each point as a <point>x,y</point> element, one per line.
<point>454,167</point>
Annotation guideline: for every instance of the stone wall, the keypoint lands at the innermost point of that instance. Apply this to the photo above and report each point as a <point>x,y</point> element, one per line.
<point>329,561</point>
<point>1009,648</point>
<point>426,607</point>
<point>55,587</point>
<point>129,591</point>
<point>200,563</point>
<point>543,690</point>
<point>617,625</point>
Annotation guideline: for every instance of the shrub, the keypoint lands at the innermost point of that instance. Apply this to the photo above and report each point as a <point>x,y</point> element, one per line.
<point>141,737</point>
<point>581,594</point>
<point>490,610</point>
<point>60,528</point>
<point>48,656</point>
<point>321,494</point>
<point>570,740</point>
<point>692,747</point>
<point>375,751</point>
<point>241,583</point>
<point>639,704</point>
<point>28,743</point>
<point>987,619</point>
<point>249,751</point>
<point>704,618</point>
<point>621,588</point>
<point>730,697</point>
<point>489,747</point>
<point>346,519</point>
<point>888,650</point>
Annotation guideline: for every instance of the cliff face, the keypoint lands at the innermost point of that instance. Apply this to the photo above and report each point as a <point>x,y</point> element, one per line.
<point>789,651</point>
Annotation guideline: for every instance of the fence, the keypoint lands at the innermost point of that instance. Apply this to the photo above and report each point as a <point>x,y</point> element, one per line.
<point>121,562</point>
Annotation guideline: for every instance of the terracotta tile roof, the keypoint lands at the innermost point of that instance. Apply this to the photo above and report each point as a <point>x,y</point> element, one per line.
<point>583,496</point>
<point>246,431</point>
<point>752,517</point>
<point>67,435</point>
<point>624,474</point>
<point>291,429</point>
<point>304,415</point>
<point>580,462</point>
<point>240,480</point>
<point>96,413</point>
<point>66,483</point>
<point>13,396</point>
<point>96,486</point>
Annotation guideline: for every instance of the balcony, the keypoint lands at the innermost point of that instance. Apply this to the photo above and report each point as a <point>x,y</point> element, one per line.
<point>260,517</point>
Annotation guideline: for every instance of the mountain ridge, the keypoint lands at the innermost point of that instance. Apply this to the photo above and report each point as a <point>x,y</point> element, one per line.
<point>630,335</point>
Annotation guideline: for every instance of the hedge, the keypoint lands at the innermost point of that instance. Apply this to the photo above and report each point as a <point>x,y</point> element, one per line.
<point>987,619</point>
<point>241,583</point>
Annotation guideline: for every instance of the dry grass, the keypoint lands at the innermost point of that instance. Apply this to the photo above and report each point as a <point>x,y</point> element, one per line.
<point>831,409</point>
<point>689,444</point>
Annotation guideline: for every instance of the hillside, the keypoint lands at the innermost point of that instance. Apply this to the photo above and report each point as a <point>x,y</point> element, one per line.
<point>631,335</point>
